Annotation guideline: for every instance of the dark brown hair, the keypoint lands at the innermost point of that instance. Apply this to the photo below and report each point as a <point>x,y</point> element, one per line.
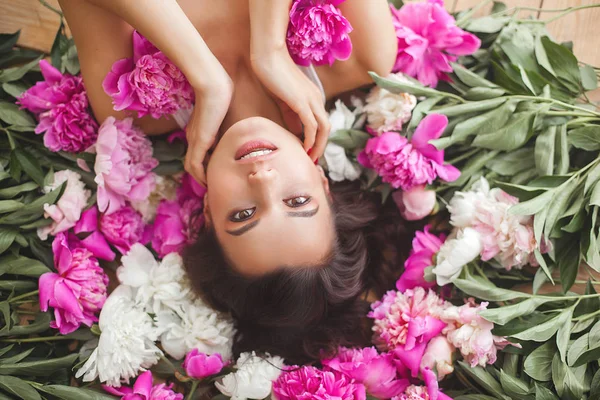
<point>304,312</point>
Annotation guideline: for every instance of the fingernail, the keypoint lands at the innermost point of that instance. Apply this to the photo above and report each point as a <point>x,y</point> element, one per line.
<point>317,161</point>
<point>309,151</point>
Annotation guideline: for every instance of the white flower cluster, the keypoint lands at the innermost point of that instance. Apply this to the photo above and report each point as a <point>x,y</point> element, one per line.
<point>180,321</point>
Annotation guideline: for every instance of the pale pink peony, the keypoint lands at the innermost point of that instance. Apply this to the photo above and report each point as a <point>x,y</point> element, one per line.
<point>428,40</point>
<point>143,390</point>
<point>471,334</point>
<point>318,33</point>
<point>63,110</point>
<point>377,372</point>
<point>416,203</point>
<point>79,289</point>
<point>406,165</point>
<point>124,164</point>
<point>67,210</point>
<point>387,111</point>
<point>177,222</point>
<point>124,228</point>
<point>200,365</point>
<point>424,247</point>
<point>308,382</point>
<point>438,356</point>
<point>149,83</point>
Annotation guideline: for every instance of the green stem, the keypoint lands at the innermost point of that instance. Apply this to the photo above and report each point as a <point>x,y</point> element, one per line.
<point>24,296</point>
<point>190,395</point>
<point>558,102</point>
<point>50,7</point>
<point>472,11</point>
<point>37,339</point>
<point>581,120</point>
<point>587,316</point>
<point>567,11</point>
<point>565,114</point>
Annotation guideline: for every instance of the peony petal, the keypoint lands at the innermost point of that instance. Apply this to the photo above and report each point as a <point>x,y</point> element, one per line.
<point>46,285</point>
<point>431,127</point>
<point>66,300</point>
<point>88,221</point>
<point>143,384</point>
<point>411,358</point>
<point>51,74</point>
<point>447,172</point>
<point>97,244</point>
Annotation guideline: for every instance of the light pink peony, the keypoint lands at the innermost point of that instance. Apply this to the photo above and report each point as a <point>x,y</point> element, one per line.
<point>178,222</point>
<point>308,382</point>
<point>143,390</point>
<point>67,210</point>
<point>124,164</point>
<point>438,356</point>
<point>79,289</point>
<point>63,110</point>
<point>149,83</point>
<point>318,33</point>
<point>424,247</point>
<point>406,165</point>
<point>124,228</point>
<point>387,111</point>
<point>471,334</point>
<point>376,371</point>
<point>200,365</point>
<point>428,40</point>
<point>430,391</point>
<point>416,203</point>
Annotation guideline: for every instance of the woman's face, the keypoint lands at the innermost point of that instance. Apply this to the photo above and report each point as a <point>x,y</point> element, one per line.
<point>267,201</point>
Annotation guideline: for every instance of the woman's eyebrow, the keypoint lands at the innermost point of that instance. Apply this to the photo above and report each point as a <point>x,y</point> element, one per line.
<point>303,214</point>
<point>243,229</point>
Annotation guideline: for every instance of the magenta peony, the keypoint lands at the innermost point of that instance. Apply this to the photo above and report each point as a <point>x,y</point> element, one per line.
<point>124,164</point>
<point>424,247</point>
<point>318,33</point>
<point>123,228</point>
<point>416,203</point>
<point>177,222</point>
<point>428,40</point>
<point>308,382</point>
<point>406,165</point>
<point>200,365</point>
<point>78,291</point>
<point>149,83</point>
<point>377,372</point>
<point>63,110</point>
<point>143,390</point>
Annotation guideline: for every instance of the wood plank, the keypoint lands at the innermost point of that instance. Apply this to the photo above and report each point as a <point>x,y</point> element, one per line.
<point>459,5</point>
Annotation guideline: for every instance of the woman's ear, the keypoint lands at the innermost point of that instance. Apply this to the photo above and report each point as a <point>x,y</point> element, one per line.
<point>206,211</point>
<point>324,180</point>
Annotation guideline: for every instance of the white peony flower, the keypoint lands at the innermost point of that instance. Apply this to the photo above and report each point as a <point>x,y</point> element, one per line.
<point>253,378</point>
<point>195,325</point>
<point>455,253</point>
<point>166,188</point>
<point>158,285</point>
<point>338,164</point>
<point>126,345</point>
<point>387,111</point>
<point>463,205</point>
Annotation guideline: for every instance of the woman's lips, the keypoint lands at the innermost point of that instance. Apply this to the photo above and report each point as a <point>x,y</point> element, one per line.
<point>254,145</point>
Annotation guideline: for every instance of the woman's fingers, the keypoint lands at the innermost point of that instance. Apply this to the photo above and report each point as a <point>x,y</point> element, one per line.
<point>194,165</point>
<point>324,127</point>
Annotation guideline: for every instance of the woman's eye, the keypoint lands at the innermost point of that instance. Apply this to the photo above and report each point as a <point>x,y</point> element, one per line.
<point>242,215</point>
<point>297,201</point>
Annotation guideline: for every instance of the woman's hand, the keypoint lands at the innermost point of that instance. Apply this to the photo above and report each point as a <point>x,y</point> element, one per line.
<point>212,103</point>
<point>296,93</point>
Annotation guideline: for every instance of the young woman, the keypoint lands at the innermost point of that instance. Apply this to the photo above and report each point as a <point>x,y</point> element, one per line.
<point>282,252</point>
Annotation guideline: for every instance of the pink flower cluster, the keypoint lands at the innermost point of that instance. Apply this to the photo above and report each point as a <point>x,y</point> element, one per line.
<point>318,33</point>
<point>148,83</point>
<point>200,365</point>
<point>79,289</point>
<point>124,164</point>
<point>61,104</point>
<point>144,390</point>
<point>405,164</point>
<point>428,40</point>
<point>424,247</point>
<point>308,382</point>
<point>177,222</point>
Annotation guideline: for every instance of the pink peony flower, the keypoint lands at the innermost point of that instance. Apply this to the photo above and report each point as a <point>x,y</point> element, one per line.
<point>318,33</point>
<point>124,228</point>
<point>438,356</point>
<point>78,291</point>
<point>377,372</point>
<point>406,165</point>
<point>177,222</point>
<point>430,391</point>
<point>124,164</point>
<point>67,210</point>
<point>424,247</point>
<point>428,40</point>
<point>387,111</point>
<point>406,322</point>
<point>62,104</point>
<point>149,83</point>
<point>416,203</point>
<point>308,382</point>
<point>471,334</point>
<point>143,390</point>
<point>199,365</point>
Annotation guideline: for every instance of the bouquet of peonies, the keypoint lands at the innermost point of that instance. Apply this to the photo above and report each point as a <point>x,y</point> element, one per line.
<point>483,132</point>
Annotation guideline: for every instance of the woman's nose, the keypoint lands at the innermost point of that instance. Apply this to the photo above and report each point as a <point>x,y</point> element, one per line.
<point>262,175</point>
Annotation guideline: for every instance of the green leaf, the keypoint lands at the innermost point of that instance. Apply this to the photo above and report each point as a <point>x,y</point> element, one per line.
<point>471,79</point>
<point>474,397</point>
<point>562,151</point>
<point>586,137</point>
<point>593,176</point>
<point>534,205</point>
<point>481,93</point>
<point>19,388</point>
<point>510,164</point>
<point>544,151</point>
<point>7,206</point>
<point>502,315</point>
<point>350,139</point>
<point>484,379</point>
<point>30,166</point>
<point>401,87</point>
<point>486,291</point>
<point>40,324</point>
<point>18,357</point>
<point>22,266</point>
<point>563,62</point>
<point>16,73</point>
<point>538,364</point>
<point>564,334</point>
<point>565,377</point>
<point>420,111</point>
<point>558,205</point>
<point>17,286</point>
<point>10,192</point>
<point>543,393</point>
<point>568,259</point>
<point>595,196</point>
<point>12,115</point>
<point>577,349</point>
<point>487,24</point>
<point>544,331</point>
<point>512,386</point>
<point>15,89</point>
<point>74,393</point>
<point>39,367</point>
<point>472,166</point>
<point>165,151</point>
<point>33,210</point>
<point>8,41</point>
<point>595,387</point>
<point>7,237</point>
<point>470,107</point>
<point>542,57</point>
<point>511,136</point>
<point>589,79</point>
